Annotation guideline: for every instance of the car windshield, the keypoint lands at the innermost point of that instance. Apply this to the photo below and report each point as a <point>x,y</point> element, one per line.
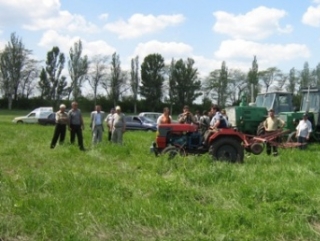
<point>312,104</point>
<point>147,120</point>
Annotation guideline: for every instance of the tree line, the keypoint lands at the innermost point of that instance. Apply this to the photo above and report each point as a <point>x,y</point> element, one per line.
<point>153,82</point>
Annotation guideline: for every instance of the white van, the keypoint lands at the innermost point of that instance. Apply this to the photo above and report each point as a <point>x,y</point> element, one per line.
<point>33,116</point>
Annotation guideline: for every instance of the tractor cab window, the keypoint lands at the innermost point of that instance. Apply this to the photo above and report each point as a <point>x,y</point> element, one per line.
<point>312,104</point>
<point>284,103</point>
<point>259,100</point>
<point>268,101</point>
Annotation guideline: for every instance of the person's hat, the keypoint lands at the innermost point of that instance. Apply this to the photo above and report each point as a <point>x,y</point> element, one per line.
<point>271,110</point>
<point>118,108</point>
<point>62,106</point>
<point>305,114</point>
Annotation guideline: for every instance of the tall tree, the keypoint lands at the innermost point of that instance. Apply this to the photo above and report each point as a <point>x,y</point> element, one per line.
<point>253,78</point>
<point>152,78</point>
<point>78,69</point>
<point>51,77</point>
<point>115,84</point>
<point>135,81</point>
<point>97,73</point>
<point>237,85</point>
<point>187,86</point>
<point>269,76</point>
<point>29,74</point>
<point>293,80</point>
<point>316,75</point>
<point>217,83</point>
<point>305,76</point>
<point>172,85</point>
<point>12,63</point>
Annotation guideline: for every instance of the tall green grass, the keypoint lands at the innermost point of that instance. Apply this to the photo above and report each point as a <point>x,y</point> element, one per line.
<point>123,192</point>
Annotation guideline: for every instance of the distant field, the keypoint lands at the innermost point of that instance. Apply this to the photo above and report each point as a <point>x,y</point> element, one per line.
<point>125,193</point>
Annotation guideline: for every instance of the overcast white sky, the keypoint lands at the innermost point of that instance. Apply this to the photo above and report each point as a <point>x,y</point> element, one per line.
<point>280,33</point>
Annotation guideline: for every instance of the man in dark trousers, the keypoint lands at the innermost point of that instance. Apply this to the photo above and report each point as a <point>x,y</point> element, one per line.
<point>76,125</point>
<point>62,121</point>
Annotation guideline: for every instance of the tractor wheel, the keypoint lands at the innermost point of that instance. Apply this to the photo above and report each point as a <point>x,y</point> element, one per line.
<point>292,137</point>
<point>170,152</point>
<point>260,130</point>
<point>227,149</point>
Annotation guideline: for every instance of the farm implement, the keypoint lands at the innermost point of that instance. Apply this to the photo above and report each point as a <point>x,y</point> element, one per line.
<point>222,144</point>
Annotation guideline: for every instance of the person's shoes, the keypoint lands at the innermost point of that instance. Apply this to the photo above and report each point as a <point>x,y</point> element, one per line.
<point>52,147</point>
<point>82,149</point>
<point>275,154</point>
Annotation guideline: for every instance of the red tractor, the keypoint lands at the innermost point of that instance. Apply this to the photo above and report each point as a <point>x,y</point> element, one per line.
<point>223,144</point>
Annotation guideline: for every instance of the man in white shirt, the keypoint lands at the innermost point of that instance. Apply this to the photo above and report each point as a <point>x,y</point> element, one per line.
<point>96,124</point>
<point>304,129</point>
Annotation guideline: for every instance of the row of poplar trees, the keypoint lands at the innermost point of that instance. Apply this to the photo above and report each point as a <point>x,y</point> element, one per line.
<point>176,84</point>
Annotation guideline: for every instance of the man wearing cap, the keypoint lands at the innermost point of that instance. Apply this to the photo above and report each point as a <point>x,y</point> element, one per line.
<point>186,117</point>
<point>108,121</point>
<point>96,124</point>
<point>118,126</point>
<point>76,125</point>
<point>304,129</point>
<point>271,124</point>
<point>62,121</point>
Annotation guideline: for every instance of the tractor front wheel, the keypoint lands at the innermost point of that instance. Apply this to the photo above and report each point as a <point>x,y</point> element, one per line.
<point>227,149</point>
<point>170,152</point>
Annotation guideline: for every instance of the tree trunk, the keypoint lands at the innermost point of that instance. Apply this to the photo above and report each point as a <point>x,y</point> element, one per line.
<point>9,102</point>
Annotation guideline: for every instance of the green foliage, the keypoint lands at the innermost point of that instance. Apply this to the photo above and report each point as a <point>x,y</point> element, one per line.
<point>184,86</point>
<point>305,78</point>
<point>116,81</point>
<point>13,60</point>
<point>152,78</point>
<point>52,85</point>
<point>253,78</point>
<point>116,192</point>
<point>217,85</point>
<point>78,69</point>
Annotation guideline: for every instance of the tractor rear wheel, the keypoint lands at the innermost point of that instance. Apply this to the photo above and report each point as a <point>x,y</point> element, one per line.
<point>170,152</point>
<point>227,149</point>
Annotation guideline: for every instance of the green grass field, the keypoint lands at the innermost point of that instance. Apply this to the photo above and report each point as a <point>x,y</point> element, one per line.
<point>125,193</point>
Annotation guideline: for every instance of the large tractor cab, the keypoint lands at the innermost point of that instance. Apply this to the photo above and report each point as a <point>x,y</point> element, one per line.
<point>310,103</point>
<point>247,118</point>
<point>278,101</point>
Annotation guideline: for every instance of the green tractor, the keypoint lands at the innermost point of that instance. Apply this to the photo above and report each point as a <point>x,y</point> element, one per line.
<point>310,103</point>
<point>248,119</point>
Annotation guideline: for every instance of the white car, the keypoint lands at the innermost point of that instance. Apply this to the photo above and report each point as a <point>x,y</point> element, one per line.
<point>33,116</point>
<point>151,115</point>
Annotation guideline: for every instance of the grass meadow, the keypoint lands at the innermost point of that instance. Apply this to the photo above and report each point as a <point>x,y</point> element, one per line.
<point>115,192</point>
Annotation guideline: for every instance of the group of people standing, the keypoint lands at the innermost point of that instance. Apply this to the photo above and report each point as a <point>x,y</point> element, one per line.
<point>73,120</point>
<point>214,117</point>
